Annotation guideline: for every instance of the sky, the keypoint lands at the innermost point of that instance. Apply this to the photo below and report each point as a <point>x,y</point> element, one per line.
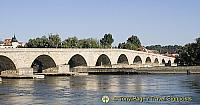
<point>164,22</point>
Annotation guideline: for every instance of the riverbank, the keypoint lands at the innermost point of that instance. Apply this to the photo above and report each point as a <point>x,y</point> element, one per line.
<point>171,70</point>
<point>99,70</point>
<point>140,70</point>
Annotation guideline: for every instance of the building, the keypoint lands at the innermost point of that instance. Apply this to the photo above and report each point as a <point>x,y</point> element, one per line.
<point>7,42</point>
<point>11,43</point>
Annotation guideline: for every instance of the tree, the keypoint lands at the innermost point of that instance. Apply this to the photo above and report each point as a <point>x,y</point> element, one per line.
<point>189,55</point>
<point>54,41</point>
<point>171,49</point>
<point>134,40</point>
<point>71,42</point>
<point>132,43</point>
<point>107,41</point>
<point>88,43</point>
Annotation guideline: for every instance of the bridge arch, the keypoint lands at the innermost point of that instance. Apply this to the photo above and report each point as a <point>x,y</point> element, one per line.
<point>137,60</point>
<point>168,63</point>
<point>163,61</point>
<point>148,60</point>
<point>122,59</point>
<point>42,62</point>
<point>6,64</point>
<point>156,61</point>
<point>103,60</point>
<point>77,60</point>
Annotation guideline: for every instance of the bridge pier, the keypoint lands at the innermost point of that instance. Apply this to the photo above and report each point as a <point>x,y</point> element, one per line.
<point>57,69</point>
<point>63,68</point>
<point>19,73</point>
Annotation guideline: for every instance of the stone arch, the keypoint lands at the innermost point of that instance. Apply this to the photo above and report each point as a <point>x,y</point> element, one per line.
<point>148,60</point>
<point>77,60</point>
<point>6,64</point>
<point>103,60</point>
<point>156,61</point>
<point>137,60</point>
<point>168,63</point>
<point>175,61</point>
<point>163,61</point>
<point>122,59</point>
<point>42,62</point>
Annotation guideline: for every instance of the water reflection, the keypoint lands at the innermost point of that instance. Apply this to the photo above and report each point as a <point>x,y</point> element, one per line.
<point>17,90</point>
<point>90,89</point>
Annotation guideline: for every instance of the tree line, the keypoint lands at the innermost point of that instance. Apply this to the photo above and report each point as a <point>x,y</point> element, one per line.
<point>54,41</point>
<point>189,55</point>
<point>169,49</point>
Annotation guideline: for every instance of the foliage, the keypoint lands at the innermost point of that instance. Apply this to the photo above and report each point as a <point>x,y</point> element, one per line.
<point>133,43</point>
<point>189,55</point>
<point>54,41</point>
<point>134,40</point>
<point>171,49</point>
<point>71,42</point>
<point>107,41</point>
<point>88,43</point>
<point>38,42</point>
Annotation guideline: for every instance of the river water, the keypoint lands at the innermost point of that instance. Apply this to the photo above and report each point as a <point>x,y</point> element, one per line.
<point>88,90</point>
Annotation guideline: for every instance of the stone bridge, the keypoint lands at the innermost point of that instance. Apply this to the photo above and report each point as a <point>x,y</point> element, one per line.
<point>44,58</point>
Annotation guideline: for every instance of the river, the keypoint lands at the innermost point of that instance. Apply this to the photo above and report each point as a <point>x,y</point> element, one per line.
<point>88,90</point>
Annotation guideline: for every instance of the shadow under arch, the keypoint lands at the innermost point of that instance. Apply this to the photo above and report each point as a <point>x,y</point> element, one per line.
<point>168,63</point>
<point>137,60</point>
<point>163,61</point>
<point>77,60</point>
<point>6,64</point>
<point>122,59</point>
<point>103,60</point>
<point>156,61</point>
<point>148,60</point>
<point>42,62</point>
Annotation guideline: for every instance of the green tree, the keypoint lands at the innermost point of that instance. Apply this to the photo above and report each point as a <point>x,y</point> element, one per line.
<point>171,49</point>
<point>189,55</point>
<point>71,42</point>
<point>134,40</point>
<point>106,41</point>
<point>54,41</point>
<point>42,42</point>
<point>88,43</point>
<point>132,43</point>
<point>38,42</point>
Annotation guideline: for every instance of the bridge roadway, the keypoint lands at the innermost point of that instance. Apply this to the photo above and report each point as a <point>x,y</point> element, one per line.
<point>44,58</point>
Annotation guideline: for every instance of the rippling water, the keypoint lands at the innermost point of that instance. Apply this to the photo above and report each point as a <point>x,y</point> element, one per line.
<point>88,90</point>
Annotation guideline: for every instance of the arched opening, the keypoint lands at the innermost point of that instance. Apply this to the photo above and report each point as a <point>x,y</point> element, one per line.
<point>6,64</point>
<point>168,63</point>
<point>148,60</point>
<point>163,61</point>
<point>156,61</point>
<point>122,59</point>
<point>103,60</point>
<point>42,62</point>
<point>77,60</point>
<point>175,60</point>
<point>137,60</point>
